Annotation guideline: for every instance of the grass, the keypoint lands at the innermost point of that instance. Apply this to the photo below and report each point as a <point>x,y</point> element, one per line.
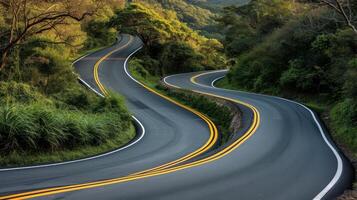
<point>38,129</point>
<point>16,159</point>
<point>219,114</point>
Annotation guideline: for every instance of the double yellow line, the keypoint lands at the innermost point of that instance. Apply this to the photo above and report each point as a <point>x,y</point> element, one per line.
<point>97,64</point>
<point>162,169</point>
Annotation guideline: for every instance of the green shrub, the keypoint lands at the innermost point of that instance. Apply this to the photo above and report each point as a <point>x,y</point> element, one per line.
<point>178,57</point>
<point>99,34</point>
<point>11,92</point>
<point>344,122</point>
<point>77,97</point>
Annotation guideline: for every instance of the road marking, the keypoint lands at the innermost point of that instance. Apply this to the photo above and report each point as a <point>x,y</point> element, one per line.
<point>158,171</point>
<point>339,169</point>
<point>96,66</point>
<point>212,140</point>
<point>215,80</point>
<point>213,130</point>
<point>220,154</point>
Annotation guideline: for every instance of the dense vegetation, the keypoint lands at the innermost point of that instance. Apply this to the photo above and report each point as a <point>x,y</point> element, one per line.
<point>194,16</point>
<point>38,43</point>
<point>32,124</point>
<point>298,50</point>
<point>217,5</point>
<point>45,115</point>
<point>170,45</point>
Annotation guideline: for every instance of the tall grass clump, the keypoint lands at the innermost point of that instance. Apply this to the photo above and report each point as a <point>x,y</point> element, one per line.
<point>35,126</point>
<point>17,131</point>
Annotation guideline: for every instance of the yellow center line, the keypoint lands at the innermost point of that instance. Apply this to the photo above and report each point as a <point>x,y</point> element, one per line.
<point>97,64</point>
<point>163,169</point>
<point>213,130</point>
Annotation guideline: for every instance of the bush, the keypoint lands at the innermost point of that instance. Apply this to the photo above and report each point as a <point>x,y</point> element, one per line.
<point>30,124</point>
<point>344,122</point>
<point>77,97</point>
<point>99,34</point>
<point>18,92</point>
<point>178,57</point>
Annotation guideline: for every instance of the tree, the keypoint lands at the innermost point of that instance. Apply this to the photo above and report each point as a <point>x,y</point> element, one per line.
<point>26,18</point>
<point>179,57</point>
<point>149,25</point>
<point>345,9</point>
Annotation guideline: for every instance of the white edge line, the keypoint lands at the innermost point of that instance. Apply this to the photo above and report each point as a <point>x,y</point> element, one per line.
<point>90,87</point>
<point>125,65</point>
<point>339,170</point>
<point>93,157</point>
<point>215,80</point>
<point>174,86</point>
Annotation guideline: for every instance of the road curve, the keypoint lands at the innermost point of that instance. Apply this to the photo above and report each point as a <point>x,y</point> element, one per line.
<point>297,157</point>
<point>279,153</point>
<point>171,131</point>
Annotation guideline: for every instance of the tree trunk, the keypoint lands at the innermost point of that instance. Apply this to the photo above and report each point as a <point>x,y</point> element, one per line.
<point>353,27</point>
<point>3,60</point>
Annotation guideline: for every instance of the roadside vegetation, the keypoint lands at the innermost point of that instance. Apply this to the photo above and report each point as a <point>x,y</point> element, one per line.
<point>220,114</point>
<point>302,50</point>
<point>45,114</point>
<point>305,51</point>
<point>170,47</point>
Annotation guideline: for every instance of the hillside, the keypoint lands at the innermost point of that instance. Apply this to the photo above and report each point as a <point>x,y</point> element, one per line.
<point>194,16</point>
<point>217,5</point>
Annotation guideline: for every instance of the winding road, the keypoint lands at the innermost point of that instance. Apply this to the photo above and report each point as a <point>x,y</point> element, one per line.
<point>282,150</point>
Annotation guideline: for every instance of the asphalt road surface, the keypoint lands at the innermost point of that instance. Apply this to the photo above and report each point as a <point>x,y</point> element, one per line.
<point>281,152</point>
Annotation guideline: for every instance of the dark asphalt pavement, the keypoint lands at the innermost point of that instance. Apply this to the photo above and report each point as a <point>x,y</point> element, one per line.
<point>286,158</point>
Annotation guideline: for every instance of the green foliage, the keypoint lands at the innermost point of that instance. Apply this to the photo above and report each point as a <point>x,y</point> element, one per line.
<point>344,122</point>
<point>46,66</point>
<point>137,66</point>
<point>31,123</point>
<point>16,130</point>
<point>76,97</point>
<point>99,33</point>
<point>160,30</point>
<point>179,57</point>
<point>305,56</point>
<point>217,5</point>
<point>247,25</point>
<point>300,78</point>
<point>299,58</point>
<point>350,86</point>
<point>195,16</point>
<point>45,115</point>
<point>12,91</point>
